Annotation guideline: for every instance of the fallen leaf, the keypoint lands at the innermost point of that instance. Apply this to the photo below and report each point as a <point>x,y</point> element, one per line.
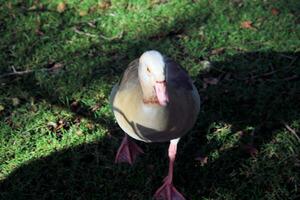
<point>39,32</point>
<point>240,133</point>
<point>52,126</point>
<point>203,160</point>
<point>247,24</point>
<point>15,101</point>
<point>54,65</point>
<point>1,107</point>
<point>59,127</point>
<point>36,6</point>
<point>211,81</point>
<point>41,6</point>
<point>9,121</point>
<point>217,51</point>
<point>77,120</point>
<point>62,123</point>
<point>32,7</point>
<point>79,132</point>
<point>153,2</point>
<point>75,106</point>
<point>61,7</point>
<point>57,65</point>
<point>95,107</point>
<point>9,5</point>
<point>250,149</point>
<point>238,3</point>
<point>33,108</point>
<point>94,8</point>
<point>275,11</point>
<point>90,126</point>
<point>83,13</point>
<point>104,5</point>
<point>206,65</point>
<point>92,24</point>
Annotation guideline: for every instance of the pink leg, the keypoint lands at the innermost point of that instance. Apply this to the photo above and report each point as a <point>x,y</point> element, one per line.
<point>167,191</point>
<point>128,151</point>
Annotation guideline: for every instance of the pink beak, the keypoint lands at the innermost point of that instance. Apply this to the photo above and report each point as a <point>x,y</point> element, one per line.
<point>161,92</point>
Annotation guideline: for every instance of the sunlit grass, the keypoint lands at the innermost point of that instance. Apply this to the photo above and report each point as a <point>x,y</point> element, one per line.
<point>58,137</point>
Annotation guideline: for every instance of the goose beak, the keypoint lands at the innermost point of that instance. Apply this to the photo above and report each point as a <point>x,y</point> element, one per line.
<point>161,92</point>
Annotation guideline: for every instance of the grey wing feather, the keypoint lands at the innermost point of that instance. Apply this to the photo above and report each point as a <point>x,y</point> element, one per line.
<point>129,78</point>
<point>177,76</point>
<point>113,93</point>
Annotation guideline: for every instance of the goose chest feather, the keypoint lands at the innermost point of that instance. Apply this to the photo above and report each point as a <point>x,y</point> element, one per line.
<point>155,101</point>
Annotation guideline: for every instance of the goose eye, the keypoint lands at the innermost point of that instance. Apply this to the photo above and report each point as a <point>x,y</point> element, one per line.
<point>148,69</point>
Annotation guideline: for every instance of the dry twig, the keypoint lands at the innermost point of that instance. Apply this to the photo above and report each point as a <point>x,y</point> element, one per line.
<point>290,129</point>
<point>119,36</point>
<point>84,33</point>
<point>19,73</point>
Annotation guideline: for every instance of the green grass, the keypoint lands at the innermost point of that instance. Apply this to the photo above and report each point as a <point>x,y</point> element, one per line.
<point>241,130</point>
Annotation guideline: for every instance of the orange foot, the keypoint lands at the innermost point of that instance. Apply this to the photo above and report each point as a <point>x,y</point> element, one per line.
<point>128,151</point>
<point>168,192</point>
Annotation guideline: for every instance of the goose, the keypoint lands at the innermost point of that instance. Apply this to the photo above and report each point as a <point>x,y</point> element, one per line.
<point>155,101</point>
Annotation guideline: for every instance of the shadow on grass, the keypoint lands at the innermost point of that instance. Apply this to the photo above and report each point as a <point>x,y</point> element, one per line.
<point>258,89</point>
<point>263,99</point>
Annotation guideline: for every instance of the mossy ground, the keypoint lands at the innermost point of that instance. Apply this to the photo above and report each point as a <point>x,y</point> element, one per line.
<point>58,136</point>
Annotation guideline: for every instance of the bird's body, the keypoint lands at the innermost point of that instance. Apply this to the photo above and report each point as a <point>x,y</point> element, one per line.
<point>155,101</point>
<point>148,121</point>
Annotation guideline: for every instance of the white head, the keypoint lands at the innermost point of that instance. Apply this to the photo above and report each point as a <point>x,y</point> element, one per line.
<point>152,73</point>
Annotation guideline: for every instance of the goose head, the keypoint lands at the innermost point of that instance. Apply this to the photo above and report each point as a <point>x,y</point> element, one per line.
<point>152,76</point>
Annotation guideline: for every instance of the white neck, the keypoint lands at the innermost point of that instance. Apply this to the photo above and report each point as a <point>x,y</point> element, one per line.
<point>151,69</point>
<point>147,86</point>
